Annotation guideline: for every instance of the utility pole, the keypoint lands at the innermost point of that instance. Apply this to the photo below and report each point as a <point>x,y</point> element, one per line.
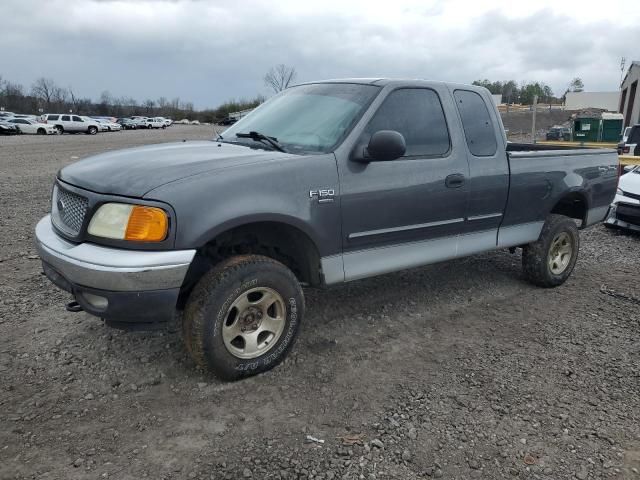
<point>533,124</point>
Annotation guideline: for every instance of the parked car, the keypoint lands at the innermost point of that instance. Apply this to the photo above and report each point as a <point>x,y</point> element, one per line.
<point>109,126</point>
<point>8,128</point>
<point>167,121</point>
<point>102,125</point>
<point>228,121</point>
<point>140,122</point>
<point>155,123</point>
<point>25,125</point>
<point>559,133</point>
<point>71,123</point>
<point>4,114</point>
<point>387,175</point>
<point>127,123</point>
<point>631,144</point>
<point>625,209</point>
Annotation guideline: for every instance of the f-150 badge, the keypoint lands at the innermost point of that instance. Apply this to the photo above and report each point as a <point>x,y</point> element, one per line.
<point>323,194</point>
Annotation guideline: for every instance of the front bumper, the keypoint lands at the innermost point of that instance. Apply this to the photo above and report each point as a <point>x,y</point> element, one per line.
<point>122,286</point>
<point>624,213</point>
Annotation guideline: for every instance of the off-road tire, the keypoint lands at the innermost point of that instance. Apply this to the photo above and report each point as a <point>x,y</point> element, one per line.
<point>208,305</point>
<point>535,256</point>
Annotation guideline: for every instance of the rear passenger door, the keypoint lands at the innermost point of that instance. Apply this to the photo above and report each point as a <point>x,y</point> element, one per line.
<point>393,210</point>
<point>65,121</point>
<point>79,125</point>
<point>488,167</point>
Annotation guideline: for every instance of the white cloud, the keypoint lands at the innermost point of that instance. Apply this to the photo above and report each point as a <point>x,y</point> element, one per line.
<point>211,51</point>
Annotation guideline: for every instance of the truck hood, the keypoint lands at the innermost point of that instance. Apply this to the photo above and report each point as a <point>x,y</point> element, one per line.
<point>135,171</point>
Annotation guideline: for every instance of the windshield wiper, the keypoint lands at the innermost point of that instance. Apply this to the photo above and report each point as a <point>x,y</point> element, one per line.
<point>261,137</point>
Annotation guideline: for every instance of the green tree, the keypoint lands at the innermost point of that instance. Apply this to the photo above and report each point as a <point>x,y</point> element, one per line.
<point>576,85</point>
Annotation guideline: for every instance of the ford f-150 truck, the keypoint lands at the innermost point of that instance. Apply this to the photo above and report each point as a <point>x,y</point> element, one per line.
<point>325,183</point>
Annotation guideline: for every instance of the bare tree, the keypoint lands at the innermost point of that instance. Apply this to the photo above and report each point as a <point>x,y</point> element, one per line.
<point>44,89</point>
<point>149,105</point>
<point>279,77</point>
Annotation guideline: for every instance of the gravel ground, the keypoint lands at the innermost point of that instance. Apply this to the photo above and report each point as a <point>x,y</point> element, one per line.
<point>457,370</point>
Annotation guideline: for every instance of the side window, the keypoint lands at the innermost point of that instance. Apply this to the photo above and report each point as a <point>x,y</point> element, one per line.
<point>53,117</point>
<point>65,118</point>
<point>77,119</point>
<point>23,122</point>
<point>417,114</point>
<point>478,128</point>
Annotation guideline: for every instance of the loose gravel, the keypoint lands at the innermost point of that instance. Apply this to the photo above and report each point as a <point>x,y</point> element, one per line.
<point>457,370</point>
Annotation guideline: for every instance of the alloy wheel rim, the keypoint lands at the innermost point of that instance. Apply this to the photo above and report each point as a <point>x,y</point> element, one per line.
<point>254,322</point>
<point>560,253</point>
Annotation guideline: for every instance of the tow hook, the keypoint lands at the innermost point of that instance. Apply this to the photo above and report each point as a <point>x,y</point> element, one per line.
<point>73,307</point>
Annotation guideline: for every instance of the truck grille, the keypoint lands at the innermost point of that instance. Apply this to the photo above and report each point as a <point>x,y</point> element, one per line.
<point>68,210</point>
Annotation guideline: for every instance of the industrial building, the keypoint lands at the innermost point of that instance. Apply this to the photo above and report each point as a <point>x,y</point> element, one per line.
<point>584,100</point>
<point>629,105</point>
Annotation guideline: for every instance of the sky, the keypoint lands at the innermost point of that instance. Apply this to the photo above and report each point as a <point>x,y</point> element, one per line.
<point>208,52</point>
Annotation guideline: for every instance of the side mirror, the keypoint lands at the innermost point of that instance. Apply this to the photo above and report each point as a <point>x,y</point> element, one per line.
<point>384,145</point>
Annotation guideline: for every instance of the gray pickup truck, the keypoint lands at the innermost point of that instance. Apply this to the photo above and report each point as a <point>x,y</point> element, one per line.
<point>325,183</point>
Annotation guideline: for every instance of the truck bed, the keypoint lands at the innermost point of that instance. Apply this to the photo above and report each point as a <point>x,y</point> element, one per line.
<point>540,175</point>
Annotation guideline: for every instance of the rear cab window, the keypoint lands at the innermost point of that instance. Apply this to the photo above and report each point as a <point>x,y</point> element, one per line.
<point>479,130</point>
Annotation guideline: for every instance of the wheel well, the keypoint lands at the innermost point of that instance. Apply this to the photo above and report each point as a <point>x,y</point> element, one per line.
<point>572,205</point>
<point>282,242</point>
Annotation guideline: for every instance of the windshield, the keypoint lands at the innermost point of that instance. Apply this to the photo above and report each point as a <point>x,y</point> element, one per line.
<point>308,118</point>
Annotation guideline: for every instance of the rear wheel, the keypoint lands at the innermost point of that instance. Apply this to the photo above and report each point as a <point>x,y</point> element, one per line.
<point>243,316</point>
<point>549,261</point>
<point>92,130</point>
<point>60,129</point>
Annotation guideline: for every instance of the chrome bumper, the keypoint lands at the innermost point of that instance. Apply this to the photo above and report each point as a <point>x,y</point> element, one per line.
<point>111,269</point>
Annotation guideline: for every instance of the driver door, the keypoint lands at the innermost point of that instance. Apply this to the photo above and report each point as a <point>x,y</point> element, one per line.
<point>409,211</point>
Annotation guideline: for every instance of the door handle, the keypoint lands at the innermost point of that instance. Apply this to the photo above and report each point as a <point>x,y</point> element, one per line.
<point>455,180</point>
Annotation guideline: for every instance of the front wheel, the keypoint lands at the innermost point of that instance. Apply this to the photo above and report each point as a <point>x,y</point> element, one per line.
<point>41,131</point>
<point>549,261</point>
<point>243,316</point>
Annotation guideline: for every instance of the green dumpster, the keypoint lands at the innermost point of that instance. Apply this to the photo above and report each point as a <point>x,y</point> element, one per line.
<point>586,129</point>
<point>611,127</point>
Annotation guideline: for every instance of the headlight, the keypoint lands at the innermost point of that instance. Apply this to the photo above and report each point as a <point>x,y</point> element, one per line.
<point>122,221</point>
<point>619,191</point>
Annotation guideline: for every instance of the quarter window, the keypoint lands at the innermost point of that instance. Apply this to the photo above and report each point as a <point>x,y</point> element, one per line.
<point>65,118</point>
<point>478,128</point>
<point>417,114</point>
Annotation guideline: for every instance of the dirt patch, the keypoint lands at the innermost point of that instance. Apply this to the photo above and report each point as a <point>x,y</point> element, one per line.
<point>457,370</point>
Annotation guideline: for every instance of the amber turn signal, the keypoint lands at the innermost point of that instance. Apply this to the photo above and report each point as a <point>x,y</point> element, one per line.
<point>147,224</point>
